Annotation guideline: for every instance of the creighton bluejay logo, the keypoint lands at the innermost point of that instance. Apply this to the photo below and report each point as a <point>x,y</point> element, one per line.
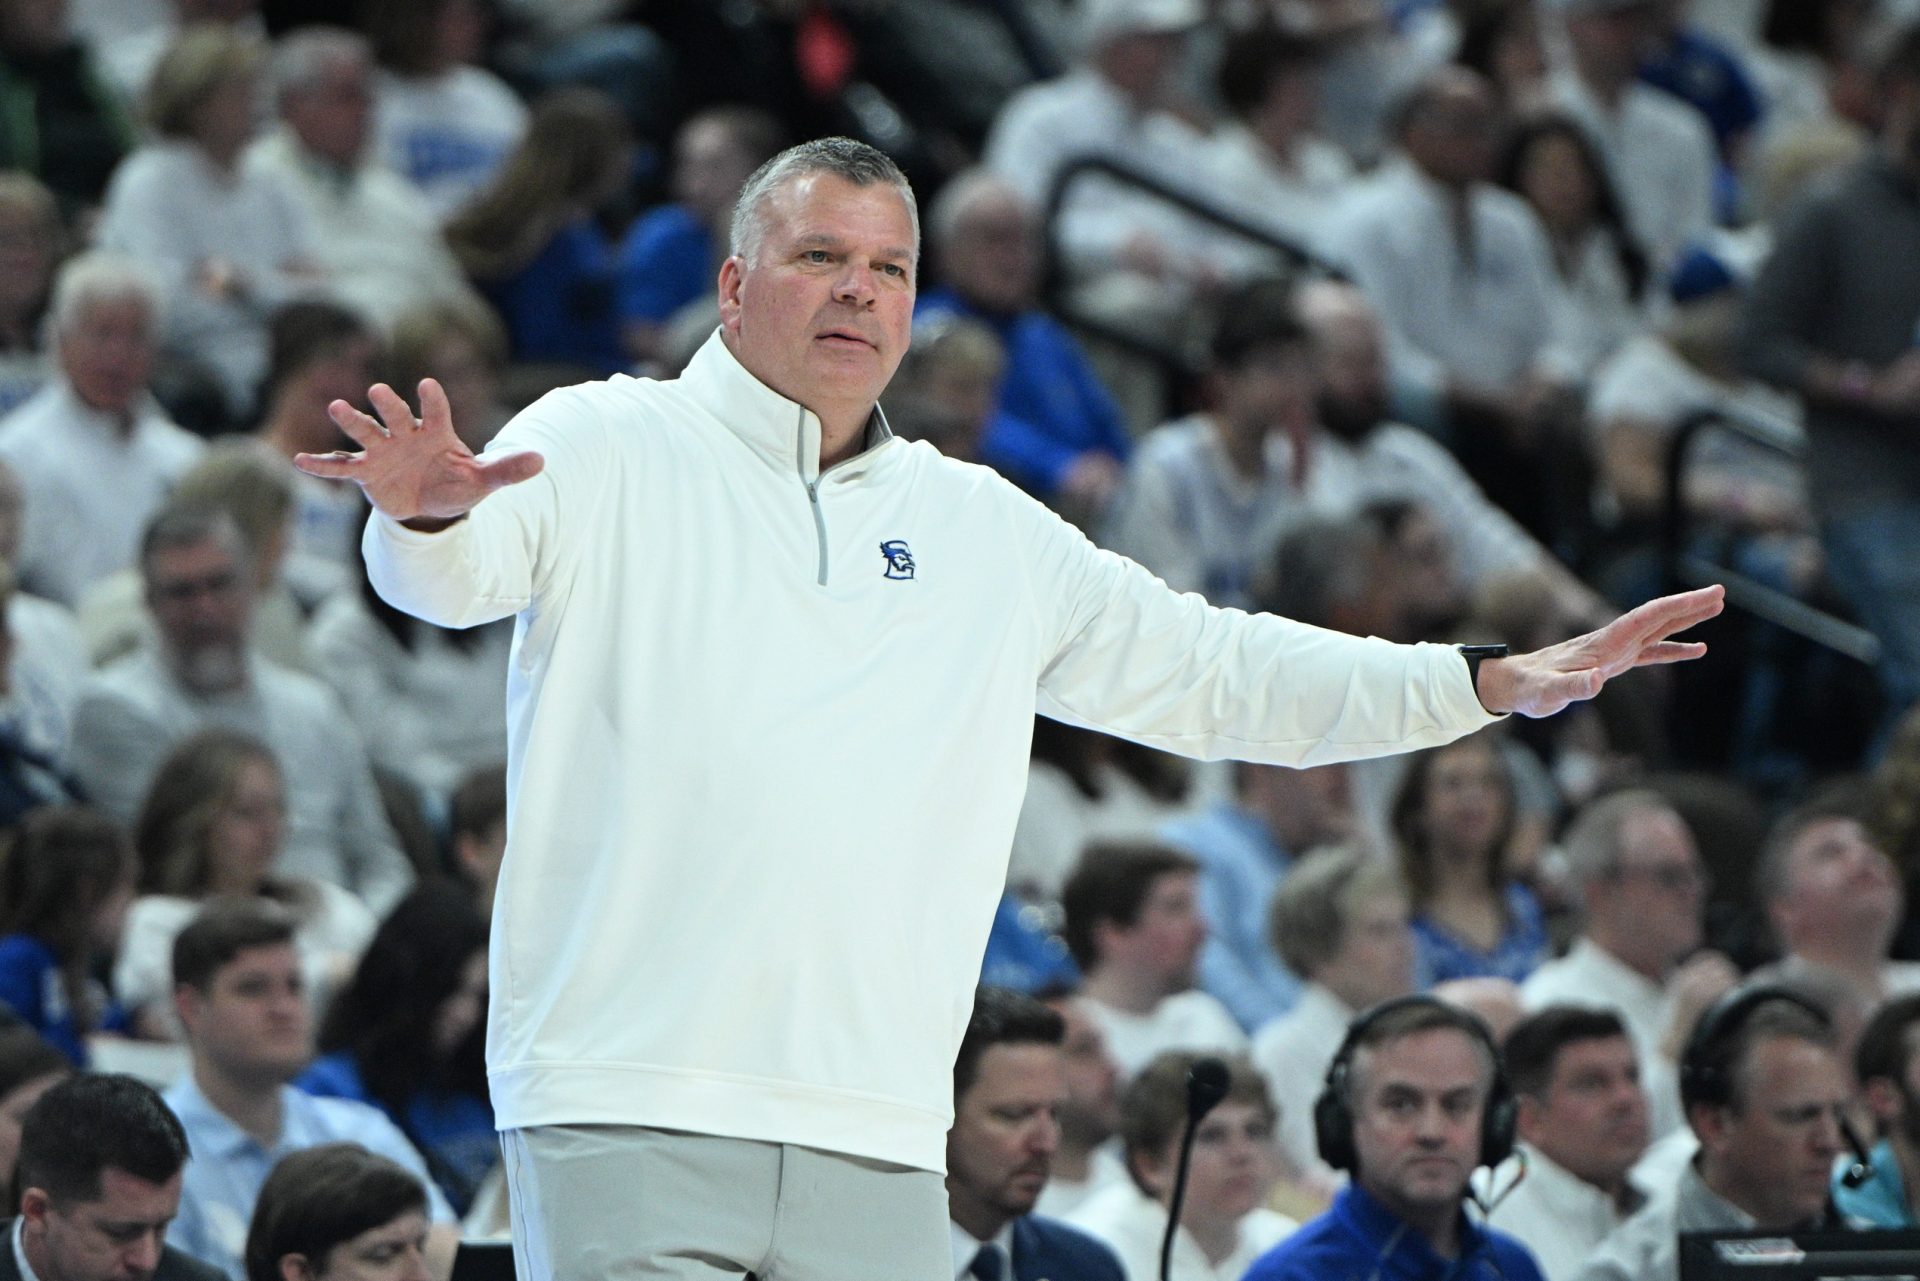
<point>899,558</point>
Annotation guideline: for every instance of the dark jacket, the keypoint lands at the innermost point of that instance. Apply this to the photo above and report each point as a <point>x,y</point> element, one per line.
<point>174,1265</point>
<point>1047,1250</point>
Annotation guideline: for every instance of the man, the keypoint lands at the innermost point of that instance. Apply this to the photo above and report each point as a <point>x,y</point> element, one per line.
<point>1831,319</point>
<point>99,1181</point>
<point>1834,902</point>
<point>1582,1122</point>
<point>924,610</point>
<point>1642,895</point>
<point>373,234</point>
<point>1884,1063</point>
<point>1766,1094</point>
<point>1134,926</point>
<point>1659,150</point>
<point>1339,921</point>
<point>1406,1109</point>
<point>1009,1083</point>
<point>477,821</point>
<point>1058,433</point>
<point>200,671</point>
<point>92,449</point>
<point>241,999</point>
<point>1085,1162</point>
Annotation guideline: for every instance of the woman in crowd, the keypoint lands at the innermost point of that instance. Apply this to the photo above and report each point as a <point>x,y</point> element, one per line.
<point>530,240</point>
<point>338,1212</point>
<point>408,1035</point>
<point>460,344</point>
<point>212,823</point>
<point>65,884</point>
<point>1452,819</point>
<point>29,1067</point>
<point>29,251</point>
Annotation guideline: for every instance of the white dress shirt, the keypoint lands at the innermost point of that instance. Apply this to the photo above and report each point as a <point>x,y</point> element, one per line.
<point>1590,976</point>
<point>1293,1053</point>
<point>966,1246</point>
<point>1190,1020</point>
<point>1558,1216</point>
<point>1133,1226</point>
<point>1061,1198</point>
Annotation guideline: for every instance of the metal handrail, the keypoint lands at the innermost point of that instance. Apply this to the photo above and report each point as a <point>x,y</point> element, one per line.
<point>1684,569</point>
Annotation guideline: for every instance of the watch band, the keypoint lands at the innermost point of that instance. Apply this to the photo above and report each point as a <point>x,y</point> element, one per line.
<point>1476,655</point>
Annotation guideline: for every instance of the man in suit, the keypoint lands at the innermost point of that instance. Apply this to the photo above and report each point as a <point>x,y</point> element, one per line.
<point>99,1180</point>
<point>1009,1081</point>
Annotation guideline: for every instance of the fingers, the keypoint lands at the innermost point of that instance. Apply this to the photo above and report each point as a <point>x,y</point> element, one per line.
<point>338,465</point>
<point>1670,614</point>
<point>510,469</point>
<point>1670,652</point>
<point>392,408</point>
<point>361,429</point>
<point>435,412</point>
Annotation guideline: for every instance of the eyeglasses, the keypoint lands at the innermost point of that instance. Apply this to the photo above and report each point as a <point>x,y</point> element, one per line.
<point>223,583</point>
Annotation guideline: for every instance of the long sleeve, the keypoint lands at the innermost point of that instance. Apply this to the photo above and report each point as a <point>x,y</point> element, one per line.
<point>371,862</point>
<point>116,747</point>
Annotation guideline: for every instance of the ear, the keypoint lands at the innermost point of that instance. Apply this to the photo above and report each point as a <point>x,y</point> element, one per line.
<point>1709,1123</point>
<point>34,1205</point>
<point>1529,1116</point>
<point>733,273</point>
<point>188,1004</point>
<point>1151,1173</point>
<point>294,1267</point>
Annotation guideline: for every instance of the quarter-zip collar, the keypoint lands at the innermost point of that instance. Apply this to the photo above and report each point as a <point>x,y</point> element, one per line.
<point>784,433</point>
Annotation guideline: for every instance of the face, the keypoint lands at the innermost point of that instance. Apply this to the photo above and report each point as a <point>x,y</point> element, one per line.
<point>1233,1168</point>
<point>1555,181</point>
<point>824,312</point>
<point>1420,584</point>
<point>1466,801</point>
<point>1166,939</point>
<point>13,1110</point>
<point>1375,958</point>
<point>1839,886</point>
<point>1005,1133</point>
<point>198,596</point>
<point>1592,1117</point>
<point>332,115</point>
<point>480,857</point>
<point>1416,1124</point>
<point>709,168</point>
<point>1139,62</point>
<point>117,1237</point>
<point>1616,42</point>
<point>252,1022</point>
<point>107,353</point>
<point>110,917</point>
<point>342,373</point>
<point>1661,885</point>
<point>1091,1112</point>
<point>1452,136</point>
<point>28,244</point>
<point>1273,389</point>
<point>246,834</point>
<point>394,1251</point>
<point>461,1012</point>
<point>1773,1155</point>
<point>223,122</point>
<point>992,255</point>
<point>1302,808</point>
<point>1353,371</point>
<point>1291,105</point>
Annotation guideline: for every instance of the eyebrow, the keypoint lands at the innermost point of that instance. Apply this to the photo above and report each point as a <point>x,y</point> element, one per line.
<point>827,240</point>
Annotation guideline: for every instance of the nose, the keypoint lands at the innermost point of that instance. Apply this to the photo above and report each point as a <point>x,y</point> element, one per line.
<point>416,1266</point>
<point>1044,1140</point>
<point>855,284</point>
<point>142,1258</point>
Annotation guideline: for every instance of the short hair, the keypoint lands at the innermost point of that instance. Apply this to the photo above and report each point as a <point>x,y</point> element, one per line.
<point>304,331</point>
<point>1318,563</point>
<point>956,201</point>
<point>1595,840</point>
<point>301,58</point>
<point>322,1197</point>
<point>200,58</point>
<point>1307,923</point>
<point>240,478</point>
<point>1723,1058</point>
<point>188,524</point>
<point>221,931</point>
<point>855,162</point>
<point>1253,317</point>
<point>1533,1045</point>
<point>195,782</point>
<point>1153,1108</point>
<point>756,132</point>
<point>63,863</point>
<point>25,194</point>
<point>1002,1016</point>
<point>1410,798</point>
<point>26,1057</point>
<point>1884,1049</point>
<point>418,330</point>
<point>1833,802</point>
<point>479,802</point>
<point>1110,885</point>
<point>99,276</point>
<point>1254,59</point>
<point>93,1122</point>
<point>1411,1019</point>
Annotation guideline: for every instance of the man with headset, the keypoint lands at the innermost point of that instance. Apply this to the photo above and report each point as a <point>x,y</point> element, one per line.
<point>1415,1101</point>
<point>1766,1093</point>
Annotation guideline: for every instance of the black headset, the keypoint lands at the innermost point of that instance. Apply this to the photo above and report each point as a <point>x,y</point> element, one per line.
<point>1704,1075</point>
<point>1333,1117</point>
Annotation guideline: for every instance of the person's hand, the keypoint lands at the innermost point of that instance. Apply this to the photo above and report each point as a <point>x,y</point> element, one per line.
<point>1543,682</point>
<point>415,469</point>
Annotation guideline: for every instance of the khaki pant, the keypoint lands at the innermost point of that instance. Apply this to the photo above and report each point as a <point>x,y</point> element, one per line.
<point>620,1203</point>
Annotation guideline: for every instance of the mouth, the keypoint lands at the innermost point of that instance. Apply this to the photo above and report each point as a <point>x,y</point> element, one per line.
<point>843,338</point>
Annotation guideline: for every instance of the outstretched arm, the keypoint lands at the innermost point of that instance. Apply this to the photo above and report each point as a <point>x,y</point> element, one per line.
<point>1543,682</point>
<point>415,469</point>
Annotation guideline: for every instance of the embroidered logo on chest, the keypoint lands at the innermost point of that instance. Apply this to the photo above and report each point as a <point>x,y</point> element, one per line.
<point>899,558</point>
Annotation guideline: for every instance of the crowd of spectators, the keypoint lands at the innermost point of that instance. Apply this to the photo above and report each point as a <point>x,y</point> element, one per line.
<point>1386,315</point>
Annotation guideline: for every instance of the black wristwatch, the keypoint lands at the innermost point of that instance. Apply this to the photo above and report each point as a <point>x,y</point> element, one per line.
<point>1476,655</point>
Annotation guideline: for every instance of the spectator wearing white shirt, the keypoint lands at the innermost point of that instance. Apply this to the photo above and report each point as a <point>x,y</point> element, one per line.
<point>93,451</point>
<point>1339,921</point>
<point>1582,1123</point>
<point>1134,927</point>
<point>30,243</point>
<point>1659,149</point>
<point>1086,1161</point>
<point>46,662</point>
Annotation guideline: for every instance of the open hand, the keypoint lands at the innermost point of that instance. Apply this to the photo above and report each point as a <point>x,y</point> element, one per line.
<point>415,469</point>
<point>1543,682</point>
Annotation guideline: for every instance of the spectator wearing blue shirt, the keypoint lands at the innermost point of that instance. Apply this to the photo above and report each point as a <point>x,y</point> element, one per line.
<point>65,887</point>
<point>671,255</point>
<point>1244,847</point>
<point>1407,1113</point>
<point>984,242</point>
<point>1452,819</point>
<point>238,989</point>
<point>530,240</point>
<point>1883,1063</point>
<point>407,1035</point>
<point>1705,74</point>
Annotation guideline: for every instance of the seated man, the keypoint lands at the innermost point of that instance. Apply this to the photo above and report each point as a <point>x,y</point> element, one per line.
<point>1883,1064</point>
<point>99,1180</point>
<point>1582,1122</point>
<point>1134,928</point>
<point>1087,1159</point>
<point>1414,1102</point>
<point>1009,1082</point>
<point>1339,920</point>
<point>239,992</point>
<point>1766,1094</point>
<point>1224,1222</point>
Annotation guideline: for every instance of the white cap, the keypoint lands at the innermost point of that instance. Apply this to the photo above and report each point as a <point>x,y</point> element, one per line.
<point>1103,20</point>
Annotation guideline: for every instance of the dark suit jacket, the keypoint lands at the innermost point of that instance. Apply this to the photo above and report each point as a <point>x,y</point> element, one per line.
<point>1048,1250</point>
<point>174,1265</point>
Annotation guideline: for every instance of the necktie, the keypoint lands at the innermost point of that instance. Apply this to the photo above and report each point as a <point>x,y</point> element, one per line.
<point>986,1265</point>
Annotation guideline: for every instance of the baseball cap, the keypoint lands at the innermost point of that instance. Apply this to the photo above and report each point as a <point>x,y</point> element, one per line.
<point>1102,20</point>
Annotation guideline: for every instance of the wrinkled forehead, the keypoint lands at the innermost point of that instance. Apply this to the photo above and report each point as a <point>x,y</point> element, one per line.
<point>822,204</point>
<point>1429,1061</point>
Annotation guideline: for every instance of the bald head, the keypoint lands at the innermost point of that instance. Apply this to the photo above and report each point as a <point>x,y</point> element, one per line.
<point>984,240</point>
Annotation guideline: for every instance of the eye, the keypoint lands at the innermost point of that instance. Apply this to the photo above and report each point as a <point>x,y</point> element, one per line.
<point>816,255</point>
<point>894,269</point>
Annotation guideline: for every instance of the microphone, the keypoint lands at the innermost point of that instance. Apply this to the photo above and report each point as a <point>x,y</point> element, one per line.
<point>1207,1082</point>
<point>1856,1174</point>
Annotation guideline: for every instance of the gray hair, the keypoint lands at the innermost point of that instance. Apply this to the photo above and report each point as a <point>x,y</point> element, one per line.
<point>1594,843</point>
<point>99,276</point>
<point>958,198</point>
<point>302,58</point>
<point>1307,923</point>
<point>189,523</point>
<point>859,164</point>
